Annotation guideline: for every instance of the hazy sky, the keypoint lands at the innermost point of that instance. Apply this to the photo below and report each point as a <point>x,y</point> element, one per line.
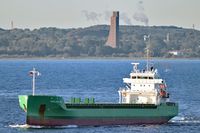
<point>82,13</point>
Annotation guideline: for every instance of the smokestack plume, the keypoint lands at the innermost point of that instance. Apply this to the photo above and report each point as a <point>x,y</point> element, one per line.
<point>140,14</point>
<point>125,18</point>
<point>107,15</point>
<point>91,16</point>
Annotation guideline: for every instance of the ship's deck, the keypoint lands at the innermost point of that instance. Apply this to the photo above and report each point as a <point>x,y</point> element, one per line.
<point>116,105</point>
<point>110,105</point>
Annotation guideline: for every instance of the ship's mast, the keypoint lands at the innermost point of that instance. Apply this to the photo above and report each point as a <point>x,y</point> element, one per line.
<point>33,81</point>
<point>147,58</point>
<point>34,73</point>
<point>148,44</point>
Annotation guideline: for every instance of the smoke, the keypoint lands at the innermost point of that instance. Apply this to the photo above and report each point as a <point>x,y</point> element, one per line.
<point>96,17</point>
<point>141,17</point>
<point>107,15</point>
<point>140,14</point>
<point>140,6</point>
<point>125,18</point>
<point>91,16</point>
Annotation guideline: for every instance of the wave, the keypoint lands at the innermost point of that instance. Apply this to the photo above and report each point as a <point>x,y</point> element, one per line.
<point>26,126</point>
<point>185,119</point>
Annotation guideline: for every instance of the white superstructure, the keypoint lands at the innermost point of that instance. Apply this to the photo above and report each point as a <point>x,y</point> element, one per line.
<point>143,87</point>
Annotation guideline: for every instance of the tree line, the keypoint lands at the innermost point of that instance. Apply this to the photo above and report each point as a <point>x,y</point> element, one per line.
<point>90,42</point>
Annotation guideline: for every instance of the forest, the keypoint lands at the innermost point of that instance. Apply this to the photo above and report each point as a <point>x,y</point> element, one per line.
<point>90,42</point>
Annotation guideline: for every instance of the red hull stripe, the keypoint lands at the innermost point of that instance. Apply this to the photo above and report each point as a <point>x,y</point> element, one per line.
<point>94,122</point>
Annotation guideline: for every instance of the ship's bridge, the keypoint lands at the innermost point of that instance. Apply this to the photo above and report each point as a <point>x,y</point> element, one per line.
<point>143,80</point>
<point>144,75</point>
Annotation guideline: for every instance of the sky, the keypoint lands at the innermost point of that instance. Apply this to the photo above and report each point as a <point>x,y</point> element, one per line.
<point>34,14</point>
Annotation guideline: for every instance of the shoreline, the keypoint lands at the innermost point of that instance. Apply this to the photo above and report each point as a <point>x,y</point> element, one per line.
<point>95,58</point>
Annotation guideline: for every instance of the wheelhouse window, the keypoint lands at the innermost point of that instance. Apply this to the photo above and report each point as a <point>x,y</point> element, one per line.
<point>133,77</point>
<point>141,77</point>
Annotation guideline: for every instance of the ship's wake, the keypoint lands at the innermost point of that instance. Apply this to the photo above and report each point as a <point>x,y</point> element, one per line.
<point>178,120</point>
<point>26,126</point>
<point>185,120</point>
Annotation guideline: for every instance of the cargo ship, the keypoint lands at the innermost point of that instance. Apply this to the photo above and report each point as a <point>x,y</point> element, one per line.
<point>143,100</point>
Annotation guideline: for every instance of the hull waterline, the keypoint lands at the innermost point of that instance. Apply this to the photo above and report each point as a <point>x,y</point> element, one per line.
<point>95,122</point>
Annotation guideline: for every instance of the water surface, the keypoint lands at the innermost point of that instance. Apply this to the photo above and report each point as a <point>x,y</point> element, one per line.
<point>100,79</point>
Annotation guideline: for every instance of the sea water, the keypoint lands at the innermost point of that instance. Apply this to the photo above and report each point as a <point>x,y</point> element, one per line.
<point>100,79</point>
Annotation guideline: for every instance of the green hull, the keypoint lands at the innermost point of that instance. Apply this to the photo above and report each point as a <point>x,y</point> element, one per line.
<point>52,111</point>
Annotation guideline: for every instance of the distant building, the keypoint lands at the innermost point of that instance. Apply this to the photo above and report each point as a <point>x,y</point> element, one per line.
<point>113,38</point>
<point>175,52</point>
<point>167,38</point>
<point>12,25</point>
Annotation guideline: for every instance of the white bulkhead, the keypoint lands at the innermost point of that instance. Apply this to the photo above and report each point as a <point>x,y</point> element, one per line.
<point>143,87</point>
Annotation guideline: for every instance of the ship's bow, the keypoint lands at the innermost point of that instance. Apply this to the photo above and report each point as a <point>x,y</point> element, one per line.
<point>23,102</point>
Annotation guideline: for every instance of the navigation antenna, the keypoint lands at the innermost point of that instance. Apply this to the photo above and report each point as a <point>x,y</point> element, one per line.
<point>33,74</point>
<point>135,66</point>
<point>147,58</point>
<point>149,39</point>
